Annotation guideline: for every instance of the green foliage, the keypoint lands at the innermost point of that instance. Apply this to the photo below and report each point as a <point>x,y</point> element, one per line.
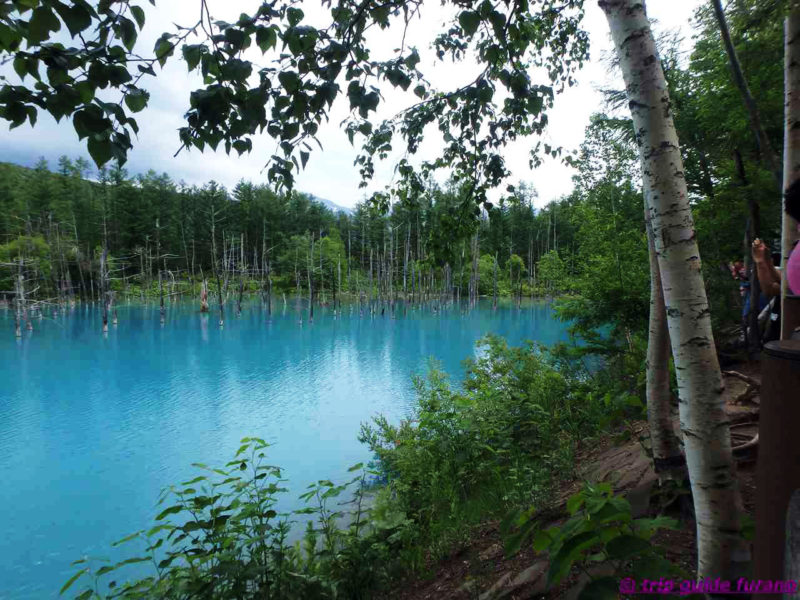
<point>503,440</point>
<point>219,535</point>
<point>35,253</point>
<point>553,272</point>
<point>312,65</point>
<point>600,529</point>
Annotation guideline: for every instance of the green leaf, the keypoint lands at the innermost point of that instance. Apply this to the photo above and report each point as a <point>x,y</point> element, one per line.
<point>542,540</point>
<point>137,100</point>
<point>575,502</point>
<point>153,530</point>
<point>195,480</point>
<point>77,17</point>
<point>42,22</point>
<point>85,90</point>
<point>105,569</point>
<point>603,588</point>
<point>289,80</point>
<point>172,510</point>
<point>192,53</point>
<point>469,21</point>
<point>127,32</point>
<point>73,579</point>
<point>131,561</point>
<point>164,48</point>
<point>266,38</point>
<point>561,563</point>
<point>127,538</point>
<point>626,546</point>
<point>20,66</point>
<point>514,542</point>
<point>138,14</point>
<point>294,15</point>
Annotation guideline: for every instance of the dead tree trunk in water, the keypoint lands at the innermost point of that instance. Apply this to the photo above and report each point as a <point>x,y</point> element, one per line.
<point>269,290</point>
<point>204,296</point>
<point>310,283</point>
<point>104,287</point>
<point>242,274</point>
<point>220,292</point>
<point>162,309</point>
<point>19,300</point>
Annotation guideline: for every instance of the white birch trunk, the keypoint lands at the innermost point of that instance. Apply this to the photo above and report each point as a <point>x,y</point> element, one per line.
<point>791,148</point>
<point>704,423</point>
<point>666,449</point>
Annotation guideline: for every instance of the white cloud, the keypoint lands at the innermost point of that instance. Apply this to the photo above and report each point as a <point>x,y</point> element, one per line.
<point>330,173</point>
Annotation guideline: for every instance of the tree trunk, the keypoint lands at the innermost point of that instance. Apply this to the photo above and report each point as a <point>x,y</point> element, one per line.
<point>666,449</point>
<point>104,288</point>
<point>204,296</point>
<point>19,301</point>
<point>704,424</point>
<point>764,147</point>
<point>791,153</point>
<point>310,263</point>
<point>162,309</point>
<point>494,284</point>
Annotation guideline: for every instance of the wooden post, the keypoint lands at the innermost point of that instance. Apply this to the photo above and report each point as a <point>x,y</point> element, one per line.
<point>791,564</point>
<point>778,468</point>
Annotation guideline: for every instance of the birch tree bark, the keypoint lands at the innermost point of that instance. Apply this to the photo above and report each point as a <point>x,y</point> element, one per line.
<point>704,424</point>
<point>791,151</point>
<point>666,449</point>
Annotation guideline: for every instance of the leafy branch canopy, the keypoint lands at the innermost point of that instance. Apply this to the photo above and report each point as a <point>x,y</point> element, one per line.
<point>79,54</point>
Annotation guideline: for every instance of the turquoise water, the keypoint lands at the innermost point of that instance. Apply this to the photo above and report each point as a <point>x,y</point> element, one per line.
<point>93,427</point>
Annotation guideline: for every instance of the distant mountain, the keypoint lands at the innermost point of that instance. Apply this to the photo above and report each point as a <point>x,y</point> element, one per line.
<point>331,205</point>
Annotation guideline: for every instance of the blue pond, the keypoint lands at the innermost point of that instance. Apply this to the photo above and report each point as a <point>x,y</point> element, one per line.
<point>93,427</point>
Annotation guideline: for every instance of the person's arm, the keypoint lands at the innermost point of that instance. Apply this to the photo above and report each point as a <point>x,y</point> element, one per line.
<point>769,278</point>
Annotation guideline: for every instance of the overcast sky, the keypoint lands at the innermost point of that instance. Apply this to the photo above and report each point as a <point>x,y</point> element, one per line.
<point>330,173</point>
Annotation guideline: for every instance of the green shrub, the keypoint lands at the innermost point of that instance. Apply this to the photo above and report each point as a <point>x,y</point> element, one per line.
<point>503,440</point>
<point>601,529</point>
<point>220,537</point>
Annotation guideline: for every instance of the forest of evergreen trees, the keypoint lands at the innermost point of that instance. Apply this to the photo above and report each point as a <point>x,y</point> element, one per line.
<point>59,221</point>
